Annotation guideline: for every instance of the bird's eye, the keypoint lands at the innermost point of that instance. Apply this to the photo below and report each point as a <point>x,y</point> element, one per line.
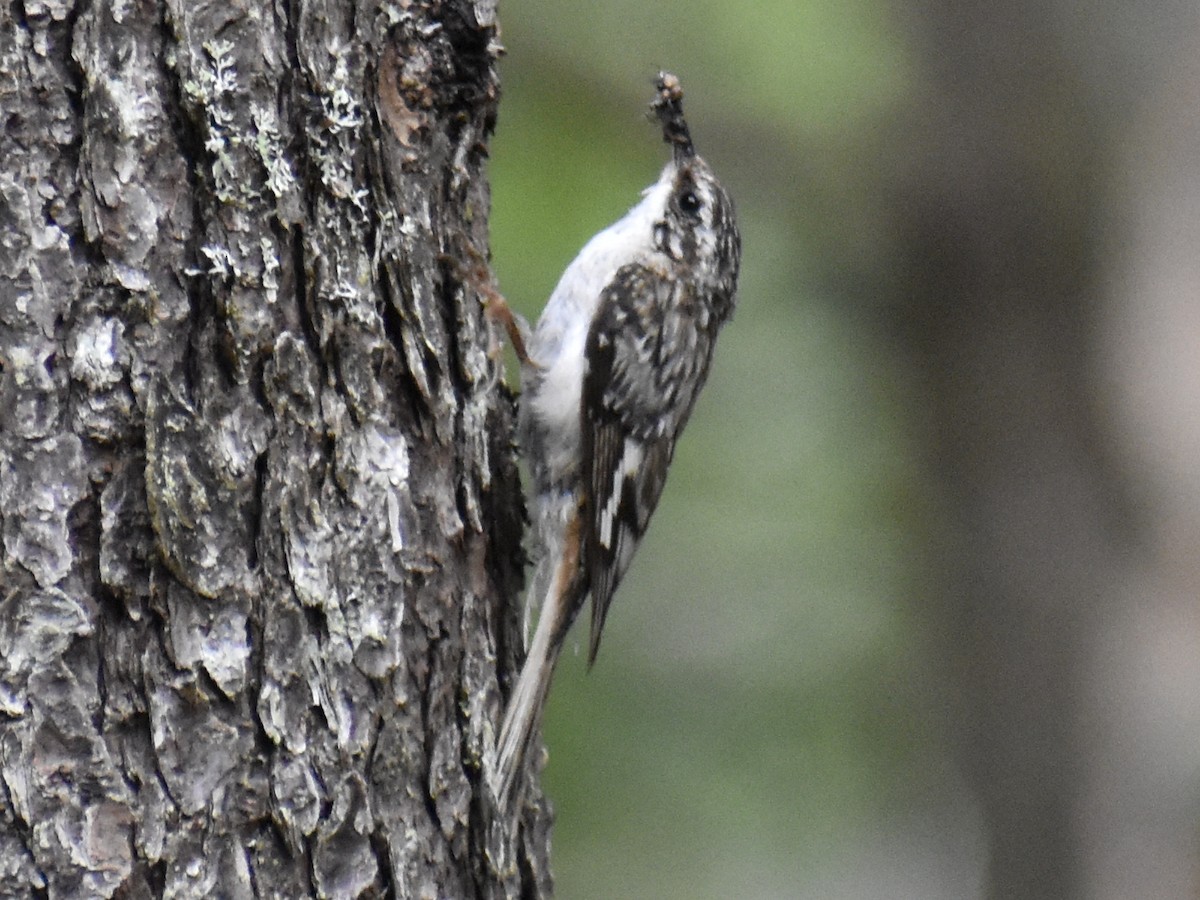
<point>689,203</point>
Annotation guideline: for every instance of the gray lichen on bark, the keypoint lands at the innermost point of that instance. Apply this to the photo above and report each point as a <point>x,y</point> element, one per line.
<point>259,508</point>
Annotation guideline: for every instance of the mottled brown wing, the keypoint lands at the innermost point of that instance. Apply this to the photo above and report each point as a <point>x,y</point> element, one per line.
<point>648,352</point>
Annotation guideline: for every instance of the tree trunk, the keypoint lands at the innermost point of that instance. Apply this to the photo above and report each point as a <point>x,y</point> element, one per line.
<point>260,512</point>
<point>1001,222</point>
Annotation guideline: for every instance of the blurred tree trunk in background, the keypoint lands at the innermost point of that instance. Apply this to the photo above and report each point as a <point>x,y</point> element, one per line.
<point>1143,808</point>
<point>259,507</point>
<point>1009,219</point>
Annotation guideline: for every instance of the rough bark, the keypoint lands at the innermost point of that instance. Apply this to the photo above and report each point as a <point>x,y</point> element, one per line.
<point>258,501</point>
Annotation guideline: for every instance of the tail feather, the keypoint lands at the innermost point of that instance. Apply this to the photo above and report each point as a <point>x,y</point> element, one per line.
<point>524,710</point>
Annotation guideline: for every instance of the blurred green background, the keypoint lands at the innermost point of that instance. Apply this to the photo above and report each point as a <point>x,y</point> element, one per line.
<point>917,616</point>
<point>757,724</point>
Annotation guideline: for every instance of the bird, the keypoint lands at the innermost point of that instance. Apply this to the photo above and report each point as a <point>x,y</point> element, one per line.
<point>609,376</point>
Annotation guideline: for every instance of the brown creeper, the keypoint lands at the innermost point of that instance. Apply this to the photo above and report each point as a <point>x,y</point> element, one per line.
<point>615,364</point>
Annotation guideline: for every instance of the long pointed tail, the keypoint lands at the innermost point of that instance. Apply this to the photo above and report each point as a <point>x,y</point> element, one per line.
<point>524,710</point>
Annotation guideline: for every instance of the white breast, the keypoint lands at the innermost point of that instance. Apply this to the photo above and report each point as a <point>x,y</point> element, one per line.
<point>560,339</point>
